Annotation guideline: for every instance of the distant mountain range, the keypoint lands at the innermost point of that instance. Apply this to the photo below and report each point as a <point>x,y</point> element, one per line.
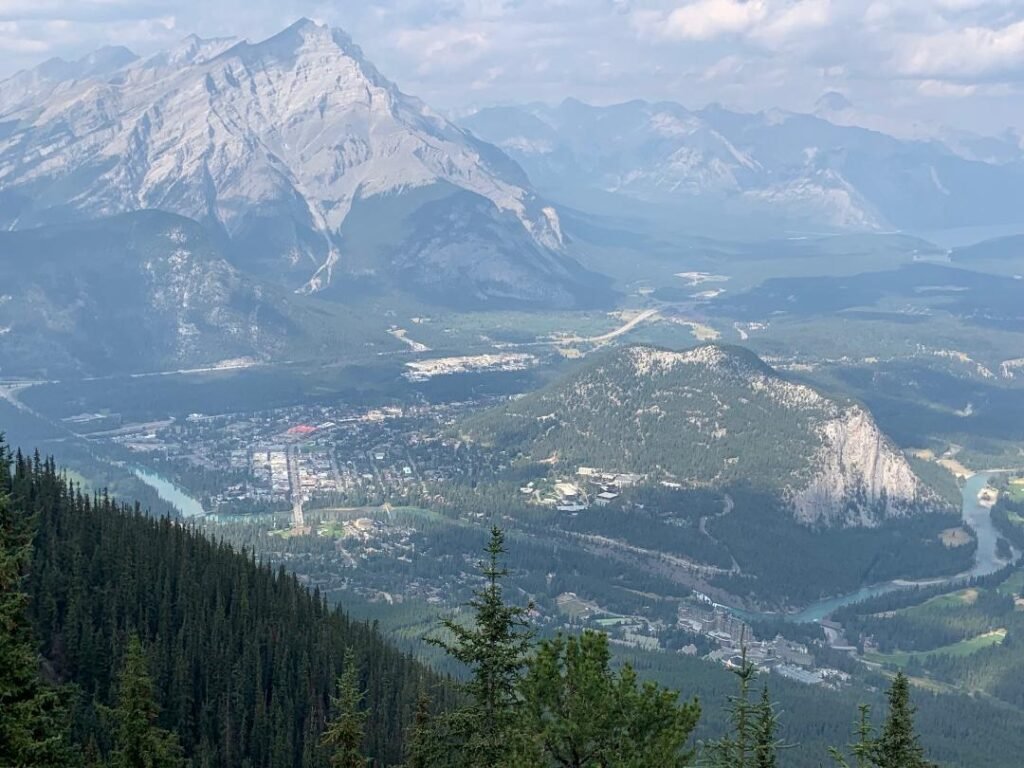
<point>296,168</point>
<point>798,170</point>
<point>320,174</point>
<point>714,416</point>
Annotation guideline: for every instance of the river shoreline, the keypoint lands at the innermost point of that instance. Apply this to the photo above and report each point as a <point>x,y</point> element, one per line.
<point>973,513</point>
<point>187,505</point>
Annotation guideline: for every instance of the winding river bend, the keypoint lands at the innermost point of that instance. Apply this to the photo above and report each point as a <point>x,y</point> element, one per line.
<point>974,514</point>
<point>985,561</point>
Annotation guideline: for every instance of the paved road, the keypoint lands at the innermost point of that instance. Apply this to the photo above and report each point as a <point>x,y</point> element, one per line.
<point>647,314</point>
<point>298,519</point>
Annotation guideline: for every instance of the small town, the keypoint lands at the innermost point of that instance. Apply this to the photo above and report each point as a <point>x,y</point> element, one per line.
<point>317,458</point>
<point>292,455</point>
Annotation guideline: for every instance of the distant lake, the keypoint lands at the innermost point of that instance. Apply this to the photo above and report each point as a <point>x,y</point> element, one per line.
<point>959,237</point>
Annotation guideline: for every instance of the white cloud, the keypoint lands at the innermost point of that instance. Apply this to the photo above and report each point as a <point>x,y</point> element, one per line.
<point>943,90</point>
<point>797,20</point>
<point>82,10</point>
<point>709,19</point>
<point>11,41</point>
<point>900,56</point>
<point>726,68</point>
<point>966,53</point>
<point>443,48</point>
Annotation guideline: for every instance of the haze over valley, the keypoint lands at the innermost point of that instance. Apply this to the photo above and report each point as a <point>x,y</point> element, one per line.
<point>736,384</point>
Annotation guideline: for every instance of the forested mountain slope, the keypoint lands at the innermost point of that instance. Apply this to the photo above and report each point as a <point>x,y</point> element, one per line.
<point>149,291</point>
<point>710,417</point>
<point>243,660</point>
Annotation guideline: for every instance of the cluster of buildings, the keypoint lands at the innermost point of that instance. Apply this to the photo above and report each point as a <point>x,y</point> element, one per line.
<point>712,626</point>
<point>342,454</point>
<point>315,473</point>
<point>590,487</point>
<point>422,370</point>
<point>270,468</point>
<point>734,637</point>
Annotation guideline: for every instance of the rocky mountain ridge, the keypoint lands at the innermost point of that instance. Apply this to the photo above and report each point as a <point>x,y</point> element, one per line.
<point>794,168</point>
<point>273,144</point>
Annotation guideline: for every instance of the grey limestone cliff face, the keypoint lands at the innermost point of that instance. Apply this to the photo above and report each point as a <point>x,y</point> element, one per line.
<point>859,477</point>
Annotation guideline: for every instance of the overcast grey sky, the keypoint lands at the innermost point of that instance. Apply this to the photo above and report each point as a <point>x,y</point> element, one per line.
<point>901,62</point>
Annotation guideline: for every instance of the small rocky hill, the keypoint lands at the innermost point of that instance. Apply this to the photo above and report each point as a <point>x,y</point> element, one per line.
<point>714,416</point>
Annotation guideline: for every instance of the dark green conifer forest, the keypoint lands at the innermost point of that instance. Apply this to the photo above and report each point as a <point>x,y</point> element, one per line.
<point>112,622</point>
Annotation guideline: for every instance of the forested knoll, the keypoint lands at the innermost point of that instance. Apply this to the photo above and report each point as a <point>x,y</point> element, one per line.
<point>243,659</point>
<point>700,419</point>
<point>714,416</point>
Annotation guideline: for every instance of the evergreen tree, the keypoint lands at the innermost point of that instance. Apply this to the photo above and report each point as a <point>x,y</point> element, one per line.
<point>898,745</point>
<point>138,741</point>
<point>344,734</point>
<point>420,736</point>
<point>33,721</point>
<point>766,745</point>
<point>863,748</point>
<point>581,714</point>
<point>738,748</point>
<point>485,733</point>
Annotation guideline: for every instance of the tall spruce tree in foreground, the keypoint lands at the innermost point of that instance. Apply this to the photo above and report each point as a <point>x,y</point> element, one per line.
<point>737,749</point>
<point>898,745</point>
<point>138,741</point>
<point>486,732</point>
<point>420,735</point>
<point>344,734</point>
<point>581,714</point>
<point>752,741</point>
<point>863,748</point>
<point>33,721</point>
<point>766,745</point>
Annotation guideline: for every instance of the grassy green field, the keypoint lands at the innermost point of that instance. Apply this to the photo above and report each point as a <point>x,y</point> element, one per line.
<point>1016,490</point>
<point>951,600</point>
<point>1014,585</point>
<point>963,648</point>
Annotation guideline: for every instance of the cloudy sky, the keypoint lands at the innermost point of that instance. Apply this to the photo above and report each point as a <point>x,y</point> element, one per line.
<point>905,65</point>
